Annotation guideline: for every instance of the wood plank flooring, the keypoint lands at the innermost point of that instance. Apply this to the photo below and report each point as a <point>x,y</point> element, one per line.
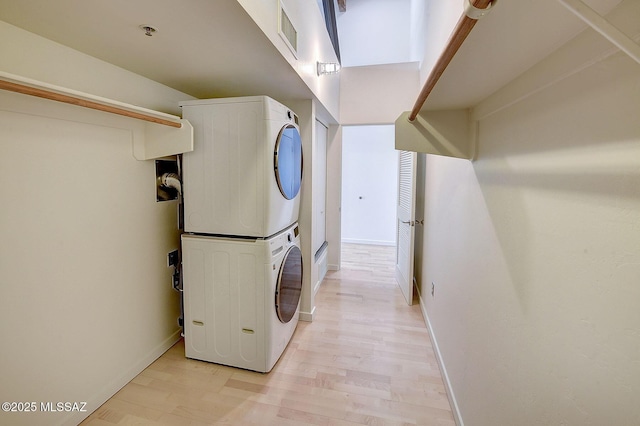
<point>365,359</point>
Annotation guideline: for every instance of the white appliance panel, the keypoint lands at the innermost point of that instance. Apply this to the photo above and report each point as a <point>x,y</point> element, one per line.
<point>229,182</point>
<point>229,293</point>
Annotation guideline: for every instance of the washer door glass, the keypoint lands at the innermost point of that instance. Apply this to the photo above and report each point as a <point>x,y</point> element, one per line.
<point>289,285</point>
<point>287,159</point>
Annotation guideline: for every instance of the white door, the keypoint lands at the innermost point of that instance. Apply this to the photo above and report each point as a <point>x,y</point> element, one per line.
<point>320,187</point>
<point>405,227</point>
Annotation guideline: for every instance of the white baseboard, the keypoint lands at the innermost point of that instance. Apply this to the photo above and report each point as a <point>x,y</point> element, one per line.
<point>331,267</point>
<point>370,242</point>
<point>118,383</point>
<point>307,316</point>
<point>323,267</point>
<point>447,383</point>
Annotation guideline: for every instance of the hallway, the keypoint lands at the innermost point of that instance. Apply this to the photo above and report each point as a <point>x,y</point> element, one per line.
<point>365,359</point>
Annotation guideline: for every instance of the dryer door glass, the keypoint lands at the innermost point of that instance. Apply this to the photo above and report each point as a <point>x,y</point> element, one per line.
<point>287,159</point>
<point>289,285</point>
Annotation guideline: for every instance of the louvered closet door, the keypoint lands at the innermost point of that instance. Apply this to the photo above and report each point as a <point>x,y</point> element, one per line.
<point>405,227</point>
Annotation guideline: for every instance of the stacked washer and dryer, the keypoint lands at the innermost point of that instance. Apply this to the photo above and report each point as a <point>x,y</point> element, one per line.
<point>241,258</point>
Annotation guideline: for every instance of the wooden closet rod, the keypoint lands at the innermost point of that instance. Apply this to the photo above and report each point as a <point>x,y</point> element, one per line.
<point>463,28</point>
<point>47,94</point>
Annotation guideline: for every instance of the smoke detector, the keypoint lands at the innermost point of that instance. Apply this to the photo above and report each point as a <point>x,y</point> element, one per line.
<point>148,30</point>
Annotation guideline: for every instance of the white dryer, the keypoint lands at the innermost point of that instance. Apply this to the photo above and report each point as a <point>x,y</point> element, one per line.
<point>244,175</point>
<point>241,298</point>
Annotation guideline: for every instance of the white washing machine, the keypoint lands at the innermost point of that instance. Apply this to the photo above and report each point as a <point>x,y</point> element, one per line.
<point>244,176</point>
<point>241,298</point>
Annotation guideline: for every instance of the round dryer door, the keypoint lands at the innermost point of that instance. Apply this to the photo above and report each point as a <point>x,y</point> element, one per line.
<point>287,159</point>
<point>289,285</point>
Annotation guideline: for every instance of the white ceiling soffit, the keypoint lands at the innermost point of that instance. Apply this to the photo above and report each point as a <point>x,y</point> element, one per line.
<point>204,48</point>
<point>516,35</point>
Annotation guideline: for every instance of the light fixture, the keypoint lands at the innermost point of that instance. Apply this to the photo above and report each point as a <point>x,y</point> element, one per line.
<point>148,30</point>
<point>327,68</point>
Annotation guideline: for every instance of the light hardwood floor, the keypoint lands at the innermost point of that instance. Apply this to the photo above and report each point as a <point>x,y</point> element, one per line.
<point>365,359</point>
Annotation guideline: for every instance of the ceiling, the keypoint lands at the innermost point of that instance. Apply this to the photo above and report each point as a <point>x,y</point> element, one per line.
<point>204,48</point>
<point>212,48</point>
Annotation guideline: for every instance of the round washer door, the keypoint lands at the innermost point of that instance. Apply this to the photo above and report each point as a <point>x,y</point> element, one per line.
<point>289,286</point>
<point>287,161</point>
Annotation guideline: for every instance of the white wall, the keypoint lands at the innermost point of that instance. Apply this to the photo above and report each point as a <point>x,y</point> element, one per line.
<point>418,29</point>
<point>369,184</point>
<point>306,111</point>
<point>309,114</point>
<point>86,298</point>
<point>374,32</point>
<point>334,196</point>
<point>377,94</point>
<point>433,29</point>
<point>314,44</point>
<point>534,252</point>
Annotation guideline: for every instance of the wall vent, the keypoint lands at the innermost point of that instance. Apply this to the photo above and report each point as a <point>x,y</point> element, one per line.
<point>287,31</point>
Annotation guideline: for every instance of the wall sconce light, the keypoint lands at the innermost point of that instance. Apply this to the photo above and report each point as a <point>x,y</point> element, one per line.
<point>328,68</point>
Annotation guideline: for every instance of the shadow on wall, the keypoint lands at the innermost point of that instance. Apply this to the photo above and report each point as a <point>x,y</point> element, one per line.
<point>562,177</point>
<point>534,249</point>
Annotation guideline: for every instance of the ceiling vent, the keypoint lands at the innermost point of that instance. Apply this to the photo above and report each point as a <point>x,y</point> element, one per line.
<point>287,31</point>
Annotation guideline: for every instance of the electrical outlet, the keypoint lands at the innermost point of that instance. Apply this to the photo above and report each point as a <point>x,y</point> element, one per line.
<point>172,258</point>
<point>433,289</point>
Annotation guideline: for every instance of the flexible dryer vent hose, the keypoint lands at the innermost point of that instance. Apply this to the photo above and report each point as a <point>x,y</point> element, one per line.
<point>172,180</point>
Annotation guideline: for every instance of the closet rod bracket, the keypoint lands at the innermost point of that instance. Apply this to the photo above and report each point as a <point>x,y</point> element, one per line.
<point>476,13</point>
